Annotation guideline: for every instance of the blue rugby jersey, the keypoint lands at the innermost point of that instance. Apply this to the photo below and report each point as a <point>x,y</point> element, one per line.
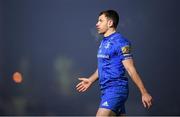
<point>112,51</point>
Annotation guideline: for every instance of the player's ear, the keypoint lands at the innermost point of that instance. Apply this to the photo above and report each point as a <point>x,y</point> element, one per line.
<point>110,23</point>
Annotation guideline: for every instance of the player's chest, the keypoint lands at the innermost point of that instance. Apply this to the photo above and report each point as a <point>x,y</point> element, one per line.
<point>106,50</point>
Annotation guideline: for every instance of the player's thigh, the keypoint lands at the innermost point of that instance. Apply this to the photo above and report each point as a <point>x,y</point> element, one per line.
<point>105,112</point>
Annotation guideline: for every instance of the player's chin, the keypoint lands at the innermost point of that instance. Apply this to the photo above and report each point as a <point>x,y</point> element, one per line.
<point>100,32</point>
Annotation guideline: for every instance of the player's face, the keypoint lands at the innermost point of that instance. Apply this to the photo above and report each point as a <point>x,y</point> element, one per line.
<point>102,24</point>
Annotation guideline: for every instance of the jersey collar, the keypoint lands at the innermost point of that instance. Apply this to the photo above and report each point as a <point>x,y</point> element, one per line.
<point>110,36</point>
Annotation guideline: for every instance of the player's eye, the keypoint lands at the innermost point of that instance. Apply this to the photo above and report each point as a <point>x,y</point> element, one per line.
<point>100,20</point>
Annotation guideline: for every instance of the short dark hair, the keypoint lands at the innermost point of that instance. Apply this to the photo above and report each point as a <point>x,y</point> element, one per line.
<point>113,15</point>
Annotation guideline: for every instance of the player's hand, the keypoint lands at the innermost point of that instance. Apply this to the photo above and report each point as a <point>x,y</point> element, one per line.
<point>147,100</point>
<point>83,85</point>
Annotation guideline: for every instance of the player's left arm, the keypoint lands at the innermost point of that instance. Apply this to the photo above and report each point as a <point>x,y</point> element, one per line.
<point>146,97</point>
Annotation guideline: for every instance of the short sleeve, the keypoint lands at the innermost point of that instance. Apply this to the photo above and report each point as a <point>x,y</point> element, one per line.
<point>124,50</point>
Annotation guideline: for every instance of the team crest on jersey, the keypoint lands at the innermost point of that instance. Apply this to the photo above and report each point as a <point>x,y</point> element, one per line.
<point>107,46</point>
<point>126,49</point>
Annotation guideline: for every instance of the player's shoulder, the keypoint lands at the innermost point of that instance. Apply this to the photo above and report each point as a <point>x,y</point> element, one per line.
<point>120,40</point>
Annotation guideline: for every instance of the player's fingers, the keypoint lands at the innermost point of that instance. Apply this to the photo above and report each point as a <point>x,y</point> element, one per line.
<point>144,103</point>
<point>79,90</point>
<point>80,87</point>
<point>149,104</point>
<point>84,89</point>
<point>79,84</point>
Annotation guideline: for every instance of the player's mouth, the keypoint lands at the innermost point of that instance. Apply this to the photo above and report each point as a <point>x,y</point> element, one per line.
<point>98,29</point>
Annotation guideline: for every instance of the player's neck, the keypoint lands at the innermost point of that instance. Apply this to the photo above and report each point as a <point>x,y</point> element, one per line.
<point>109,32</point>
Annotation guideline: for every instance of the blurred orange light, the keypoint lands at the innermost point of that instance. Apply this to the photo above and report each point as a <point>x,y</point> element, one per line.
<point>17,77</point>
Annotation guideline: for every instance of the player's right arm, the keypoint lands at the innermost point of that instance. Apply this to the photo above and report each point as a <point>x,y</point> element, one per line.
<point>86,82</point>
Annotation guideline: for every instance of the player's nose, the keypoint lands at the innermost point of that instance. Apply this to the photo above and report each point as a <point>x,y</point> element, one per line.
<point>97,25</point>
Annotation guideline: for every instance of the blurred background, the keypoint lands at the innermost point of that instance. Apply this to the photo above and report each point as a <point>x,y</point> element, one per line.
<point>53,42</point>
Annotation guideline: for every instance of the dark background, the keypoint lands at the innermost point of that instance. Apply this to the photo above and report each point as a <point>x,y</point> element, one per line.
<point>53,42</point>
